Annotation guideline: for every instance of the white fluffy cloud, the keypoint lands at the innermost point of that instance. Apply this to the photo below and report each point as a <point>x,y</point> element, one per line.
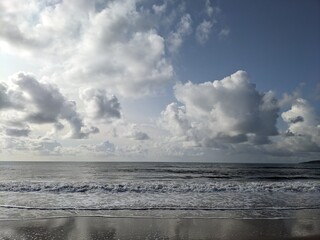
<point>119,45</point>
<point>221,112</point>
<point>135,65</point>
<point>175,120</point>
<point>232,114</point>
<point>303,134</point>
<point>109,43</point>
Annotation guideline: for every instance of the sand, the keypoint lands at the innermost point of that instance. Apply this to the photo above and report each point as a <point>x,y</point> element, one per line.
<point>159,228</point>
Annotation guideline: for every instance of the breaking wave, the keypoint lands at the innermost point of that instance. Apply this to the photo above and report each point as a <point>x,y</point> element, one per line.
<point>162,187</point>
<point>171,208</point>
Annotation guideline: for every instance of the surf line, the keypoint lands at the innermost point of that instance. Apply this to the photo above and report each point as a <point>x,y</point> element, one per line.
<point>158,208</point>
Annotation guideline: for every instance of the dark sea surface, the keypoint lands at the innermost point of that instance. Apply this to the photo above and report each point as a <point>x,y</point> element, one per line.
<point>50,189</point>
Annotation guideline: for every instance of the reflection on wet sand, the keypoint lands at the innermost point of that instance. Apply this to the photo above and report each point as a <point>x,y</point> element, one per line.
<point>97,228</point>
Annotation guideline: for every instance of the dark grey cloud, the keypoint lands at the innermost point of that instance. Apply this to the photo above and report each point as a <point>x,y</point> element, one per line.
<point>44,103</point>
<point>17,132</point>
<point>4,99</point>
<point>58,126</point>
<point>137,135</point>
<point>296,119</point>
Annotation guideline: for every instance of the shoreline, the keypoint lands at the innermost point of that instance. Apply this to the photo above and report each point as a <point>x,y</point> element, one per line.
<point>107,227</point>
<point>159,217</point>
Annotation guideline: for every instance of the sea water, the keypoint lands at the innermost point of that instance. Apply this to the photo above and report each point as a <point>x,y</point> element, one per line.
<point>170,190</point>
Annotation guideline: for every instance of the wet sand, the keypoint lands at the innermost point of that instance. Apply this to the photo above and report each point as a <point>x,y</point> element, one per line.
<point>97,228</point>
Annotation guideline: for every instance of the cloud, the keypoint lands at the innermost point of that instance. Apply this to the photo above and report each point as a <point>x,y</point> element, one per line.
<point>224,32</point>
<point>45,98</point>
<point>209,8</point>
<point>105,148</point>
<point>17,132</point>
<point>301,117</point>
<point>317,92</point>
<point>204,28</point>
<point>38,146</point>
<point>9,98</point>
<point>303,133</point>
<point>129,130</point>
<point>44,103</point>
<point>183,29</point>
<point>46,146</point>
<point>5,102</point>
<point>288,99</point>
<point>57,127</point>
<point>99,105</point>
<point>203,31</point>
<point>125,54</point>
<point>110,42</point>
<point>222,112</point>
<point>175,120</point>
<point>133,150</point>
<point>231,115</point>
<point>159,9</point>
<point>13,33</point>
<point>9,126</point>
<point>300,139</point>
<point>140,136</point>
<point>119,45</point>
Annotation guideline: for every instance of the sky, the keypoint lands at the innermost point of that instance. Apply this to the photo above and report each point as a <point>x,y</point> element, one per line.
<point>138,80</point>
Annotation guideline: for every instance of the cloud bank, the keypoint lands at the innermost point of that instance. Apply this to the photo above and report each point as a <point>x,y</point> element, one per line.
<point>124,46</point>
<point>216,113</point>
<point>29,101</point>
<point>93,54</point>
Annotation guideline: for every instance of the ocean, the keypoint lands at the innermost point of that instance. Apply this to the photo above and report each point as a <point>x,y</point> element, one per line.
<point>168,190</point>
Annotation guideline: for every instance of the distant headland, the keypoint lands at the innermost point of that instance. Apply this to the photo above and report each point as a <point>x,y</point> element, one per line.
<point>311,162</point>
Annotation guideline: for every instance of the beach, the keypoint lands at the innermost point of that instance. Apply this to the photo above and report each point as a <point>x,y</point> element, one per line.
<point>158,201</point>
<point>96,228</point>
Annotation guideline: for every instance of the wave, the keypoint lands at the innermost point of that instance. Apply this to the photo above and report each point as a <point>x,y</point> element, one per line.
<point>231,173</point>
<point>283,178</point>
<point>162,187</point>
<point>171,208</point>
